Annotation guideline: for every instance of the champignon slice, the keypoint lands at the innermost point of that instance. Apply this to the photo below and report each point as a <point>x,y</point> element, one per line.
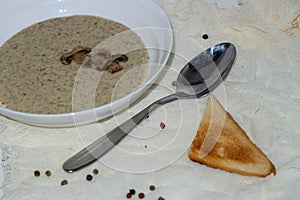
<point>78,54</point>
<point>79,58</point>
<point>102,59</point>
<point>114,67</point>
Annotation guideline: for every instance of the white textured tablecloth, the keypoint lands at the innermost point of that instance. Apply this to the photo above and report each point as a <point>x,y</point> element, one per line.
<point>261,92</point>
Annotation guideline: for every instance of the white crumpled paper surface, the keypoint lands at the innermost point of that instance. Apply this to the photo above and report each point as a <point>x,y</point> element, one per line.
<point>261,92</point>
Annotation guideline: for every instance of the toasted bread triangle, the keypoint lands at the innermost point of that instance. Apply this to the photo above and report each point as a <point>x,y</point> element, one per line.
<point>221,143</point>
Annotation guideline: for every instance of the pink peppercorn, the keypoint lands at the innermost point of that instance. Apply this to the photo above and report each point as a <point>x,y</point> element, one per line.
<point>162,125</point>
<point>128,195</point>
<point>141,195</point>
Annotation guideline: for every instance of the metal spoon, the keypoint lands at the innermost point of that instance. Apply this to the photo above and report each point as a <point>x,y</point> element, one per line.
<point>198,77</point>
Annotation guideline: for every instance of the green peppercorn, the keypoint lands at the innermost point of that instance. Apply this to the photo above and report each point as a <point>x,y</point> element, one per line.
<point>89,177</point>
<point>152,187</point>
<point>37,173</point>
<point>95,171</point>
<point>174,83</point>
<point>64,182</point>
<point>48,173</point>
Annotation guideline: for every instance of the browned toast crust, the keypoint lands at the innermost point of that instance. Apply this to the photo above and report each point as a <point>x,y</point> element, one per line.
<point>221,143</point>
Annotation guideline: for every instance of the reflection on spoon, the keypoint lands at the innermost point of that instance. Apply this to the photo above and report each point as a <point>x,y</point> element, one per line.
<point>198,77</point>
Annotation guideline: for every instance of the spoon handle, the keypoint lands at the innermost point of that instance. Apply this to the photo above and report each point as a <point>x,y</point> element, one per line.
<point>102,145</point>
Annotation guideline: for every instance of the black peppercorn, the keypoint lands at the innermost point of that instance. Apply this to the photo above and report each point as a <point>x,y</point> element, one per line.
<point>37,173</point>
<point>89,177</point>
<point>205,36</point>
<point>132,191</point>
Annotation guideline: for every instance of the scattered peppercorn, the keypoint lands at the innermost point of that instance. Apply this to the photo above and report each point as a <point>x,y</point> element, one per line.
<point>95,171</point>
<point>161,198</point>
<point>141,195</point>
<point>128,195</point>
<point>146,146</point>
<point>205,36</point>
<point>132,191</point>
<point>64,182</point>
<point>152,187</point>
<point>48,173</point>
<point>89,177</point>
<point>174,83</point>
<point>162,125</point>
<point>37,173</point>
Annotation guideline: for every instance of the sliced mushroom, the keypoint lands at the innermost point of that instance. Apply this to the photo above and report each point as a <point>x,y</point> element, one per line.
<point>114,67</point>
<point>78,54</point>
<point>79,58</point>
<point>66,59</point>
<point>102,59</point>
<point>120,58</point>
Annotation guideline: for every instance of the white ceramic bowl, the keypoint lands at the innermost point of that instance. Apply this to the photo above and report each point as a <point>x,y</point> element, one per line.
<point>145,17</point>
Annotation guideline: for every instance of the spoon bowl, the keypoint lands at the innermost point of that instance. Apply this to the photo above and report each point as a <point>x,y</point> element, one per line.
<point>205,72</point>
<point>198,77</point>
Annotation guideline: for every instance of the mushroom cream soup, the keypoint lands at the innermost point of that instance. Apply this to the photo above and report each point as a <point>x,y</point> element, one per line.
<point>69,64</point>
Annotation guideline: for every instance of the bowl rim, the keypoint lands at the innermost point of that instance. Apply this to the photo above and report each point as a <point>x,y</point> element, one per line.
<point>112,107</point>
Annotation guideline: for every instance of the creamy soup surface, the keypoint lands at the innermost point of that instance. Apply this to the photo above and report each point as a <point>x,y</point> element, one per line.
<point>34,79</point>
